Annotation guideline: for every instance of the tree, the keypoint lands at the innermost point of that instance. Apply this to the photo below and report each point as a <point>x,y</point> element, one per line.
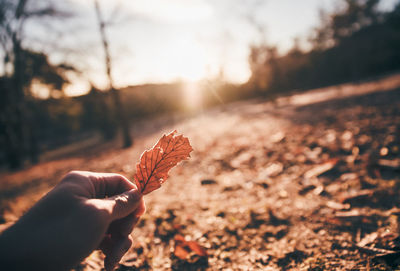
<point>265,71</point>
<point>119,110</point>
<point>20,67</point>
<point>353,43</point>
<point>342,23</point>
<point>97,114</point>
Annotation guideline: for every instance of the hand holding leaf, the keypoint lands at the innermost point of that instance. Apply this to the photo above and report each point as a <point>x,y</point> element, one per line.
<point>154,165</point>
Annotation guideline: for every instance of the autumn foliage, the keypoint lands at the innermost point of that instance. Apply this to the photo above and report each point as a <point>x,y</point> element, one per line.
<point>154,165</point>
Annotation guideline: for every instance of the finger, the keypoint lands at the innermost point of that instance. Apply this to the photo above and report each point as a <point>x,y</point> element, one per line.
<point>124,204</point>
<point>106,244</point>
<point>132,220</point>
<point>125,226</point>
<point>110,184</point>
<point>120,247</point>
<point>141,209</point>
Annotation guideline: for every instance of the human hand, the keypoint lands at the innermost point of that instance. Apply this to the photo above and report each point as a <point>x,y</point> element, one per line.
<point>84,212</point>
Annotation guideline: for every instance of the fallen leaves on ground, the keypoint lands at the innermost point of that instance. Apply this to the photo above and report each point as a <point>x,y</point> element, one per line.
<point>278,188</point>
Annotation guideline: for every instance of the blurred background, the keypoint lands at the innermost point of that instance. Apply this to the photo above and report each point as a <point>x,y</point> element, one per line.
<point>292,109</point>
<point>77,70</point>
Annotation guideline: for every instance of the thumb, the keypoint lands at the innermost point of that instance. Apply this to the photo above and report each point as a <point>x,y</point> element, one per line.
<point>124,204</point>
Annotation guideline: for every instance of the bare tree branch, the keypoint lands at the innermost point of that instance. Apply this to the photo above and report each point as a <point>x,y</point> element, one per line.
<point>121,116</point>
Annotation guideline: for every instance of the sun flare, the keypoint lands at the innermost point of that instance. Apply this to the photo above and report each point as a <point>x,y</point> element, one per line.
<point>192,94</point>
<point>186,60</point>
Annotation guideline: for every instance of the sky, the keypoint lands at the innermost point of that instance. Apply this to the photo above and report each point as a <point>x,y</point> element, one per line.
<point>162,41</point>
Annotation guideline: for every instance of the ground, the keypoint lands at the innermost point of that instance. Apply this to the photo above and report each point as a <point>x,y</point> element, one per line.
<point>306,182</point>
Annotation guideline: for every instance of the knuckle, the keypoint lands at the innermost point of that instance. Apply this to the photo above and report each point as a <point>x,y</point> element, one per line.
<point>73,173</point>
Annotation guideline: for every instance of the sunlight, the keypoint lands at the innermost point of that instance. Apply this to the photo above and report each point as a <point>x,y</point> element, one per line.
<point>192,94</point>
<point>79,87</point>
<point>172,10</point>
<point>187,60</point>
<point>40,90</point>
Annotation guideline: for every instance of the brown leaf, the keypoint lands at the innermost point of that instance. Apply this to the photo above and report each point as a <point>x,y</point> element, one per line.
<point>196,248</point>
<point>155,163</point>
<point>183,248</point>
<point>368,239</point>
<point>392,164</point>
<point>180,252</point>
<point>337,205</point>
<point>179,238</point>
<point>320,169</point>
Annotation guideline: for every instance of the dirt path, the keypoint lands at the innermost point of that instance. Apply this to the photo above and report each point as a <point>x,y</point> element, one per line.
<point>270,186</point>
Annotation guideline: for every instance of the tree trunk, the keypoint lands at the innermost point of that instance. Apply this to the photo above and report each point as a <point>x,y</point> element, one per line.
<point>122,119</point>
<point>119,110</point>
<point>32,140</point>
<point>16,127</point>
<point>12,140</point>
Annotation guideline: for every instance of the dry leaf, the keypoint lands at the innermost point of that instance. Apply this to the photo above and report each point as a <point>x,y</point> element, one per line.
<point>196,248</point>
<point>154,165</point>
<point>183,248</point>
<point>181,253</point>
<point>179,249</point>
<point>320,169</point>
